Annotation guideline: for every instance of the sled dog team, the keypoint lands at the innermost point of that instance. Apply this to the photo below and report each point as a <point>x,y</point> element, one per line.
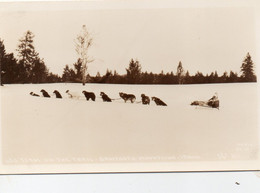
<point>213,102</point>
<point>91,96</point>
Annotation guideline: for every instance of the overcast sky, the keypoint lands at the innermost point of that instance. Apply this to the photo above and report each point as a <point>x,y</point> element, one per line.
<point>203,39</point>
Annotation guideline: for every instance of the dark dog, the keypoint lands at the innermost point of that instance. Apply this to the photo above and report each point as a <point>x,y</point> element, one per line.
<point>58,95</point>
<point>89,95</point>
<point>145,99</point>
<point>45,94</point>
<point>158,101</point>
<point>33,94</point>
<point>127,97</point>
<point>105,97</point>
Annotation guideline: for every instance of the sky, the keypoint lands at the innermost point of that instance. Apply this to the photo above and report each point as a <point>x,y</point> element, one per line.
<point>203,39</point>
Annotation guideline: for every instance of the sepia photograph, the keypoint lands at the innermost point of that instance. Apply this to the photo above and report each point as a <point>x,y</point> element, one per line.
<point>120,86</point>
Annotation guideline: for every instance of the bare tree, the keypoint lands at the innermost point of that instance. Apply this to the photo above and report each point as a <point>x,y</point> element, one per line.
<point>83,42</point>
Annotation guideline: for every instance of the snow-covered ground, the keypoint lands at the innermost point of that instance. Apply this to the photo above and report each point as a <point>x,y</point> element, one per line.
<point>76,130</point>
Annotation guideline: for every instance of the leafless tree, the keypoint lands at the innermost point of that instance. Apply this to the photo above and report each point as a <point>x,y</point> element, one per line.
<point>83,42</point>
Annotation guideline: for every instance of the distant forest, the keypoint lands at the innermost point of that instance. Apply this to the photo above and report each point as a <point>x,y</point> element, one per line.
<point>30,68</point>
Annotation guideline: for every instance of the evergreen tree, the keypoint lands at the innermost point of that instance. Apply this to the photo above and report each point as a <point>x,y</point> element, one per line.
<point>187,78</point>
<point>98,75</point>
<point>78,70</point>
<point>9,68</point>
<point>233,77</point>
<point>97,78</point>
<point>35,68</point>
<point>27,53</point>
<point>52,78</point>
<point>211,78</point>
<point>216,78</point>
<point>133,72</point>
<point>224,77</point>
<point>68,74</point>
<point>21,71</point>
<point>161,78</point>
<point>39,71</point>
<point>144,78</point>
<point>247,69</point>
<point>108,76</point>
<point>180,73</point>
<point>198,78</point>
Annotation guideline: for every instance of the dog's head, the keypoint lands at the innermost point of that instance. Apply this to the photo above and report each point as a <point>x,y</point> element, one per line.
<point>43,90</point>
<point>102,93</point>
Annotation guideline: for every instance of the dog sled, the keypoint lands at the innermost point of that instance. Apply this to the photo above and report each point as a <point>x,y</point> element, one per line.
<point>213,102</point>
<point>207,104</point>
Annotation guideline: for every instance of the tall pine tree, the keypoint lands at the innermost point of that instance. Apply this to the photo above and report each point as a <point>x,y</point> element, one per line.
<point>35,69</point>
<point>133,72</point>
<point>247,70</point>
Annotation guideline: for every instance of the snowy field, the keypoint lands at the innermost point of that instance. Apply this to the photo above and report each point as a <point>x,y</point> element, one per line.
<point>76,130</point>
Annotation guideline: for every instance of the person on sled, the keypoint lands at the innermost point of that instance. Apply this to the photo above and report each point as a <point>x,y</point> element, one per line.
<point>214,101</point>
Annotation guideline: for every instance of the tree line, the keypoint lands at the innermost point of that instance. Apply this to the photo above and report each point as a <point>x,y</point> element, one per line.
<point>30,68</point>
<point>134,75</point>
